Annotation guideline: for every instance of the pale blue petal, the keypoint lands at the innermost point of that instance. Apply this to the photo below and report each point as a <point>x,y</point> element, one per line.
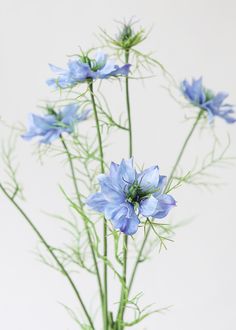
<point>121,71</point>
<point>101,58</point>
<point>84,115</point>
<point>148,206</point>
<point>161,184</point>
<point>97,202</point>
<point>69,111</point>
<point>56,69</point>
<point>149,178</point>
<point>125,219</point>
<point>50,136</point>
<point>165,204</point>
<point>127,173</point>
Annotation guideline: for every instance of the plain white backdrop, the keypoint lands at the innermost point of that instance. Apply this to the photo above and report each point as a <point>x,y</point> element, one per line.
<point>196,275</point>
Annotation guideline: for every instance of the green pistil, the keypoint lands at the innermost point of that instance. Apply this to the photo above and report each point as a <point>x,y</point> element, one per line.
<point>94,66</point>
<point>209,95</point>
<point>126,34</point>
<point>136,194</point>
<point>51,110</point>
<point>133,194</point>
<point>128,38</point>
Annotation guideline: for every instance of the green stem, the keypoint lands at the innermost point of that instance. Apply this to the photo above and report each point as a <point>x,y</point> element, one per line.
<point>182,150</point>
<point>100,146</point>
<point>128,107</point>
<point>138,259</point>
<point>145,239</point>
<point>85,221</point>
<point>124,291</point>
<point>50,250</point>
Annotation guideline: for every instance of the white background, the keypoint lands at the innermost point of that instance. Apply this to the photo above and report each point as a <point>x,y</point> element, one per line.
<point>196,275</point>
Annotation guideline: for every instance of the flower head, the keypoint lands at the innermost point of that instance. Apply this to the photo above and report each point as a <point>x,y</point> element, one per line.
<point>125,194</point>
<point>127,37</point>
<point>207,100</point>
<point>86,68</point>
<point>51,126</point>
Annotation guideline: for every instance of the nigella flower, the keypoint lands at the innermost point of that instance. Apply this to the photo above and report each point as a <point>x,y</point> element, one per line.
<point>125,194</point>
<point>51,126</point>
<point>86,68</point>
<point>127,37</point>
<point>207,100</point>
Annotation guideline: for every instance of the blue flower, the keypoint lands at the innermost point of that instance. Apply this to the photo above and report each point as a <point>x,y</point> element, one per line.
<point>125,194</point>
<point>85,68</point>
<point>207,100</point>
<point>52,125</point>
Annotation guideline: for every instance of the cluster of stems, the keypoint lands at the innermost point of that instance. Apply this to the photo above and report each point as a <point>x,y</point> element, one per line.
<point>110,322</point>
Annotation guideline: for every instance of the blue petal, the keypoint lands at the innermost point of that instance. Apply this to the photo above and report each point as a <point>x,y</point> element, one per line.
<point>194,92</point>
<point>69,117</point>
<point>127,174</point>
<point>149,178</point>
<point>122,71</point>
<point>114,211</point>
<point>84,115</point>
<point>210,116</point>
<point>215,107</point>
<point>56,69</point>
<point>79,71</point>
<point>161,184</point>
<point>112,192</point>
<point>148,206</point>
<point>42,123</point>
<point>130,225</point>
<point>38,126</point>
<point>165,204</point>
<point>61,80</point>
<point>101,59</point>
<point>52,82</point>
<point>219,98</point>
<point>50,136</point>
<point>107,70</point>
<point>114,168</point>
<point>125,219</point>
<point>115,176</point>
<point>97,202</point>
<point>69,111</point>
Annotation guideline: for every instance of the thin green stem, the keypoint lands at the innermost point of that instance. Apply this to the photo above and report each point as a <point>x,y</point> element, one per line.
<point>138,259</point>
<point>182,150</point>
<point>99,135</point>
<point>72,172</point>
<point>85,221</point>
<point>145,239</point>
<point>128,107</point>
<point>100,146</point>
<point>124,291</point>
<point>50,250</point>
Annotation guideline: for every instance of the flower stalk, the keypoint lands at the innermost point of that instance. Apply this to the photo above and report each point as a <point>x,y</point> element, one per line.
<point>124,292</point>
<point>74,180</point>
<point>167,188</point>
<point>182,150</point>
<point>50,250</point>
<point>101,155</point>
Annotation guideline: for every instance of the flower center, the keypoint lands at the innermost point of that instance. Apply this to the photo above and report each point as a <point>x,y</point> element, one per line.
<point>135,193</point>
<point>94,66</point>
<point>126,34</point>
<point>209,95</point>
